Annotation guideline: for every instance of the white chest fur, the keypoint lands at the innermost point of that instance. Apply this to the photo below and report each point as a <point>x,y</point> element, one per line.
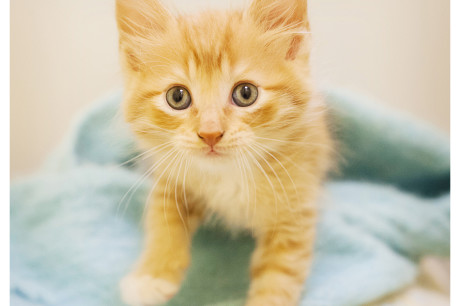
<point>227,196</point>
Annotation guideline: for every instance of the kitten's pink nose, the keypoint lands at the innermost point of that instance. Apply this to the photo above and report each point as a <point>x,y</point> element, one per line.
<point>211,137</point>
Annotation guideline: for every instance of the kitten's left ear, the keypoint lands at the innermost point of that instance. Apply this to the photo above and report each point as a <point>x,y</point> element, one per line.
<point>138,20</point>
<point>282,16</point>
<point>136,17</point>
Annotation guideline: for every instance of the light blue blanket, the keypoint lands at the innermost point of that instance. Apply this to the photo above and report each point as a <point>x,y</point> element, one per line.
<point>72,238</point>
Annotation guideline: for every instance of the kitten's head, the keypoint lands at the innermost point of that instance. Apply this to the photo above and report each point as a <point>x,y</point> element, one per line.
<point>219,84</point>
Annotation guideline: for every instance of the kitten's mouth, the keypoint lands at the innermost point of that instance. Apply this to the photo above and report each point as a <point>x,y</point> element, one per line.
<point>212,152</point>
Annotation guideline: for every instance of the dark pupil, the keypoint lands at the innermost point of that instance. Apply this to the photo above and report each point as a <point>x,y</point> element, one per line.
<point>178,94</point>
<point>245,92</point>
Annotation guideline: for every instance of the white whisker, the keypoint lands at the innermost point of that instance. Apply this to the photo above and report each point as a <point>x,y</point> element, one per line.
<point>175,197</point>
<point>284,168</point>
<point>275,195</point>
<point>166,188</point>
<point>187,165</point>
<point>243,181</point>
<point>276,175</point>
<point>138,182</point>
<point>249,168</point>
<point>148,153</point>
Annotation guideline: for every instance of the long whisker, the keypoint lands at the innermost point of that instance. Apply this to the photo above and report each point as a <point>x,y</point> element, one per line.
<point>175,197</point>
<point>249,168</point>
<point>166,188</point>
<point>279,140</point>
<point>284,168</point>
<point>157,179</point>
<point>276,175</point>
<point>148,153</point>
<point>246,180</point>
<point>179,157</point>
<point>243,182</point>
<point>139,182</point>
<point>187,165</point>
<point>155,166</point>
<point>288,141</point>
<point>271,184</point>
<point>266,176</point>
<point>283,155</point>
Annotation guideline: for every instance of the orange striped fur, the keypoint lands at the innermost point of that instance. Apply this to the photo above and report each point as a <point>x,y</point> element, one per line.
<point>269,162</point>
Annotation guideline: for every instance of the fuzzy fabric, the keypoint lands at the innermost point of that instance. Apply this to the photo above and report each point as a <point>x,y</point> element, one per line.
<point>74,233</point>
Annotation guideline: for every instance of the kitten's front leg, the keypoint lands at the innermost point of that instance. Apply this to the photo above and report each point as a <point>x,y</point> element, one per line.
<point>280,264</point>
<point>159,271</point>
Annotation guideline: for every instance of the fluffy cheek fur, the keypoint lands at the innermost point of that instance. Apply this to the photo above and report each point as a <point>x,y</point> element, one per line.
<point>272,156</point>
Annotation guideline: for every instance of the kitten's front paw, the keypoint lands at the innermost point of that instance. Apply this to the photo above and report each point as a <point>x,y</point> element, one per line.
<point>146,291</point>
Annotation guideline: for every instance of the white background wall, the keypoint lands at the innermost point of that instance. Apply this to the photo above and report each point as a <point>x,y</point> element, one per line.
<point>64,56</point>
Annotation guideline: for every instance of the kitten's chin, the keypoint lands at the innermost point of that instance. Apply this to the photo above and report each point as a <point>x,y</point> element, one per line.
<point>213,155</point>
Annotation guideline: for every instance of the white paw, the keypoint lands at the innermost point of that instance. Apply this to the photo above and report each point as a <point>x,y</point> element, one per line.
<point>146,290</point>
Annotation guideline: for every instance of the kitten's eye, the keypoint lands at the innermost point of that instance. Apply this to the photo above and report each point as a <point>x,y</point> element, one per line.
<point>178,98</point>
<point>244,94</point>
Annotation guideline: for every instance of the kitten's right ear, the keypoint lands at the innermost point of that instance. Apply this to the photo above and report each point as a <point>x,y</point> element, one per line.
<point>272,14</point>
<point>138,20</point>
<point>282,16</point>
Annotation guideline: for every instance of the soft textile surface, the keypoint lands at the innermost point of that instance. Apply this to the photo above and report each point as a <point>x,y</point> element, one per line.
<point>74,233</point>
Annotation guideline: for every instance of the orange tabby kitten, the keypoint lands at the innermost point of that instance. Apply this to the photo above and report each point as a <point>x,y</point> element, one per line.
<point>223,101</point>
